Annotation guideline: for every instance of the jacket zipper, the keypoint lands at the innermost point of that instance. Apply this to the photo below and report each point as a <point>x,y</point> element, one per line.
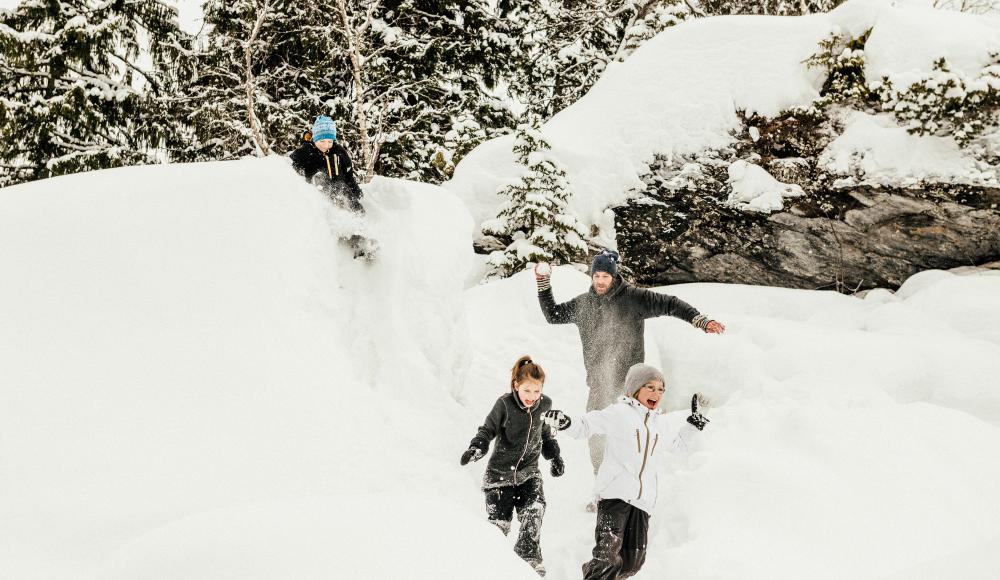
<point>527,441</point>
<point>645,423</point>
<point>655,441</point>
<point>638,445</point>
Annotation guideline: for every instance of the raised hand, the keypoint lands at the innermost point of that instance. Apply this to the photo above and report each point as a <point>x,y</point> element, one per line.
<point>542,270</point>
<point>556,419</point>
<point>715,327</point>
<point>696,418</point>
<point>472,454</point>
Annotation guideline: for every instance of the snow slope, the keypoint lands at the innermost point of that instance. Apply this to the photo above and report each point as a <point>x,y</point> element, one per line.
<point>199,382</point>
<point>680,93</point>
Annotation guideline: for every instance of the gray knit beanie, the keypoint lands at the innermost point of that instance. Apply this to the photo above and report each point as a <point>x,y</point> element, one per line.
<point>638,375</point>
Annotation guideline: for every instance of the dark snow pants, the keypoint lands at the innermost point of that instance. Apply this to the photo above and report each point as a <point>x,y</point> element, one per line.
<point>621,535</point>
<point>529,501</point>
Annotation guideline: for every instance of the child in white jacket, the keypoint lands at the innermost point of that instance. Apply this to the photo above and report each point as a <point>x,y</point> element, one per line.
<point>627,478</point>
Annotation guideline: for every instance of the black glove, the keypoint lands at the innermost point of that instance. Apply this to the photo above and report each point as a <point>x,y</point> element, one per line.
<point>556,419</point>
<point>472,454</point>
<point>696,418</point>
<point>558,467</point>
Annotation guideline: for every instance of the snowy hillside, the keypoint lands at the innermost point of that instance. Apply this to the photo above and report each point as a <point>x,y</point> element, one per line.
<point>199,382</point>
<point>681,92</point>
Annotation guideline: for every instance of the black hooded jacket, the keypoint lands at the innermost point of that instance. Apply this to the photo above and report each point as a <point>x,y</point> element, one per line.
<point>519,434</point>
<point>333,171</point>
<point>612,326</point>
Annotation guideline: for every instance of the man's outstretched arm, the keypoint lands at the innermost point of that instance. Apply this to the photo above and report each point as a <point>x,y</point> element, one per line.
<point>564,313</point>
<point>654,304</point>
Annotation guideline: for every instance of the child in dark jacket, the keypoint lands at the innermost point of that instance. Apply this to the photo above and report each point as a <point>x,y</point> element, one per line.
<point>323,162</point>
<point>512,480</point>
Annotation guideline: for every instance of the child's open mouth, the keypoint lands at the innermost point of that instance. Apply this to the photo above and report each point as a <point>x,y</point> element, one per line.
<point>651,403</point>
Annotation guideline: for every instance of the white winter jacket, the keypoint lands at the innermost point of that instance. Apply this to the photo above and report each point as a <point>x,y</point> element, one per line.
<point>636,442</point>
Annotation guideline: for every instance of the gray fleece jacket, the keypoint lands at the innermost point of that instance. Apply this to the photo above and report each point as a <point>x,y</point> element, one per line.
<point>612,326</point>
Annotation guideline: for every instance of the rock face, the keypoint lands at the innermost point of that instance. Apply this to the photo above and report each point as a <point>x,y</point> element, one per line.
<point>682,229</point>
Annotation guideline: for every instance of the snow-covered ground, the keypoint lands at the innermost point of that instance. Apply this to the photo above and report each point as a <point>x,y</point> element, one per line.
<point>681,92</point>
<point>199,382</point>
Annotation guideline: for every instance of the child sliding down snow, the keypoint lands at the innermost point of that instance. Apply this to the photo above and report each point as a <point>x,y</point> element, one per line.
<point>326,164</point>
<point>512,480</point>
<point>626,479</point>
<point>322,161</point>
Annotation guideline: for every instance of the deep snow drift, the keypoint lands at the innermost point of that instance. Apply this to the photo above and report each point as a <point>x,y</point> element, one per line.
<point>199,382</point>
<point>682,90</point>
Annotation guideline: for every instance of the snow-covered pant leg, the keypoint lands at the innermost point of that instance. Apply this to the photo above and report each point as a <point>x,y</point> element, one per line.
<point>529,499</point>
<point>599,398</point>
<point>620,536</point>
<point>500,507</point>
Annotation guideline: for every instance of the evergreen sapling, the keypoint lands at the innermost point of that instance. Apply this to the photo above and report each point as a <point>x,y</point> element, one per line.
<point>534,217</point>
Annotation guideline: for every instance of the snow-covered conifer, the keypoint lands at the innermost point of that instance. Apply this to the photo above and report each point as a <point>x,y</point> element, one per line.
<point>767,7</point>
<point>534,217</point>
<point>296,71</point>
<point>74,98</point>
<point>946,102</point>
<point>569,43</point>
<point>420,91</point>
<point>403,79</point>
<point>843,59</point>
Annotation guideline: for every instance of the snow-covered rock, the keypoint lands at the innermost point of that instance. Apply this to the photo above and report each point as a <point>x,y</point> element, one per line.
<point>754,189</point>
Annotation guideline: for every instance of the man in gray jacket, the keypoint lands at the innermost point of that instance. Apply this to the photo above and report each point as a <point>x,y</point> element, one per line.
<point>611,319</point>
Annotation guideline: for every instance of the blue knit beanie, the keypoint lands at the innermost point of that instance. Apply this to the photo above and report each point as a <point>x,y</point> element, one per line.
<point>324,128</point>
<point>606,261</point>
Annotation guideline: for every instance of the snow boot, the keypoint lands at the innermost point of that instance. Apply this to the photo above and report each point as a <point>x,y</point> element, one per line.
<point>364,248</point>
<point>539,568</point>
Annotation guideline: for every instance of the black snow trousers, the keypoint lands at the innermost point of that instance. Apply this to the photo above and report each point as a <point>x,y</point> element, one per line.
<point>621,534</point>
<point>529,501</point>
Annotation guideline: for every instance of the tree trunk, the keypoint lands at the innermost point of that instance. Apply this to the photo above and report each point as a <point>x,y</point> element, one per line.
<point>251,84</point>
<point>360,113</point>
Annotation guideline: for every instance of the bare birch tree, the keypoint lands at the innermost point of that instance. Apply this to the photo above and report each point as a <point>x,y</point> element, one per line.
<point>250,84</point>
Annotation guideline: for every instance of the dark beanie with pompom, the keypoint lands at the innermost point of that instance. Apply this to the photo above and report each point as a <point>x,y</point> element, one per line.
<point>606,261</point>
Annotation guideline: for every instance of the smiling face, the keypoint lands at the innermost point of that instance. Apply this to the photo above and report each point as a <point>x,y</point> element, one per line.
<point>324,145</point>
<point>602,282</point>
<point>650,394</point>
<point>529,391</point>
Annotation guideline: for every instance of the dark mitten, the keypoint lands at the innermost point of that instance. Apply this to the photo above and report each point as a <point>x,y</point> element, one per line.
<point>696,418</point>
<point>556,419</point>
<point>472,454</point>
<point>558,467</point>
<point>550,448</point>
